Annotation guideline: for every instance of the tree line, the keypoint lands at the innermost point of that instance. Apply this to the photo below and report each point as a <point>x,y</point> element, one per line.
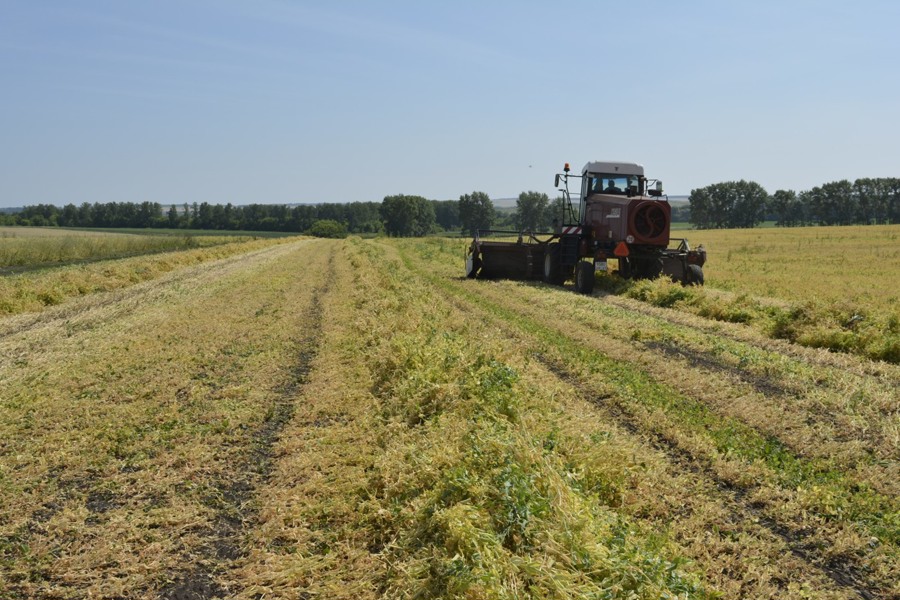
<point>732,204</point>
<point>741,204</point>
<point>356,217</point>
<point>397,215</point>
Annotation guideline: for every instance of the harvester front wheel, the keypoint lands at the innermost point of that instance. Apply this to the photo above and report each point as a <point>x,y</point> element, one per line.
<point>552,271</point>
<point>473,263</point>
<point>584,277</point>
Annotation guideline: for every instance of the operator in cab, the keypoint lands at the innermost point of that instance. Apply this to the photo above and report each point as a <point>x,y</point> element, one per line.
<point>611,188</point>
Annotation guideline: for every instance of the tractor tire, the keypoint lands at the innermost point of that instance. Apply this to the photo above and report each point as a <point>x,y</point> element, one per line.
<point>552,270</point>
<point>694,275</point>
<point>473,264</point>
<point>584,277</point>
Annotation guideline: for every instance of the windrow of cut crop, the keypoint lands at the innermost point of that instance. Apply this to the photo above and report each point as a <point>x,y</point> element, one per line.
<point>808,495</point>
<point>731,437</point>
<point>26,249</point>
<point>474,499</point>
<point>839,327</point>
<point>34,291</point>
<point>130,424</point>
<point>311,536</point>
<point>840,414</point>
<point>464,492</point>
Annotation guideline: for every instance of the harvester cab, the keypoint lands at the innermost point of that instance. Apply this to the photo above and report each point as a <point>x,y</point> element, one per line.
<point>621,217</point>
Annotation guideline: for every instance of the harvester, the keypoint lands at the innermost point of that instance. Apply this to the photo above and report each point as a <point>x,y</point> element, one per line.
<point>622,217</point>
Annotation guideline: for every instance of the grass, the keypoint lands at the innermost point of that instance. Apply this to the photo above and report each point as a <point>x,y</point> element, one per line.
<point>122,431</point>
<point>822,287</point>
<point>189,232</point>
<point>33,291</point>
<point>354,419</point>
<point>742,453</point>
<point>29,248</point>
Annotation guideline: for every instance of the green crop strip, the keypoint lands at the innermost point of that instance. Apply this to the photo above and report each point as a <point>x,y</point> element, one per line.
<point>827,491</point>
<point>487,506</point>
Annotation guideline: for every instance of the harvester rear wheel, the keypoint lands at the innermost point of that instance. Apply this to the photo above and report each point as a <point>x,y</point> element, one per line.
<point>552,271</point>
<point>584,277</point>
<point>473,263</point>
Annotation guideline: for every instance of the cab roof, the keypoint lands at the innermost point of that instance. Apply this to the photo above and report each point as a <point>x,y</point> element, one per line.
<point>609,167</point>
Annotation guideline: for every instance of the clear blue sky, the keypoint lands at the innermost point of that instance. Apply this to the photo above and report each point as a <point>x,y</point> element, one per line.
<point>293,101</point>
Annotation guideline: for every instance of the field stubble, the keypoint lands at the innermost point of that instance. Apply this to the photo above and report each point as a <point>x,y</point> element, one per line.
<point>355,420</point>
<point>820,485</point>
<point>27,249</point>
<point>123,417</point>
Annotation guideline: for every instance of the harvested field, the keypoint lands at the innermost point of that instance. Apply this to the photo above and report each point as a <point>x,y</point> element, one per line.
<point>30,248</point>
<point>354,419</point>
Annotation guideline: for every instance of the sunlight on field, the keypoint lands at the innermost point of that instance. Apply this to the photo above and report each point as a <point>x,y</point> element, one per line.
<point>355,419</point>
<point>32,288</point>
<point>848,265</point>
<point>49,232</point>
<point>22,247</point>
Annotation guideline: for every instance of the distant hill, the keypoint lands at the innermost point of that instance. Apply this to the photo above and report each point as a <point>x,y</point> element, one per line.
<point>504,202</point>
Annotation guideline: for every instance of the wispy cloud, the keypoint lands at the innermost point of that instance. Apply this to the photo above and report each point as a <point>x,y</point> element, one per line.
<point>345,23</point>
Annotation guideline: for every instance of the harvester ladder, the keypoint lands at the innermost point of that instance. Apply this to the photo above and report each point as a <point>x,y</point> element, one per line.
<point>568,250</point>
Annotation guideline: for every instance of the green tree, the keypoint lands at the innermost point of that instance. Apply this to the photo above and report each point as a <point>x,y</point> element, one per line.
<point>873,200</point>
<point>531,211</point>
<point>476,211</point>
<point>729,204</point>
<point>69,216</point>
<point>172,216</point>
<point>833,203</point>
<point>787,208</point>
<point>204,217</point>
<point>327,228</point>
<point>407,216</point>
<point>748,204</point>
<point>562,212</point>
<point>893,205</point>
<point>446,214</point>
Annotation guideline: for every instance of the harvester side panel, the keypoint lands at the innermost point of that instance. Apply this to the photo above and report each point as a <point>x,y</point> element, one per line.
<point>511,260</point>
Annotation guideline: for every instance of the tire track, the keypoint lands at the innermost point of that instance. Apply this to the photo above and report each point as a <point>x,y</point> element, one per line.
<point>803,425</point>
<point>224,538</point>
<point>38,338</point>
<point>736,499</point>
<point>850,575</point>
<point>741,334</point>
